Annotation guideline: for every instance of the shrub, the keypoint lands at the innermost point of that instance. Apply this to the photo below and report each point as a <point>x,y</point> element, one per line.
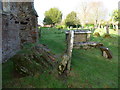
<point>111,26</point>
<point>89,25</point>
<point>60,26</point>
<point>96,34</point>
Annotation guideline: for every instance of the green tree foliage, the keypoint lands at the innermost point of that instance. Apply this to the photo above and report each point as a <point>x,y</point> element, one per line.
<point>52,16</point>
<point>47,20</point>
<point>115,15</point>
<point>72,19</point>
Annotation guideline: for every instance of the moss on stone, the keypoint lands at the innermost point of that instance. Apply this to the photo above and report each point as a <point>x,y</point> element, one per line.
<point>31,60</point>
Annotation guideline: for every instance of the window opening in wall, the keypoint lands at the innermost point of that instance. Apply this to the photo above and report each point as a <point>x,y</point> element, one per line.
<point>24,23</point>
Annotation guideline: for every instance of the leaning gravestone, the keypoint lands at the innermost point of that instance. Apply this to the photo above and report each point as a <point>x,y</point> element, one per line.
<point>106,52</point>
<point>66,59</point>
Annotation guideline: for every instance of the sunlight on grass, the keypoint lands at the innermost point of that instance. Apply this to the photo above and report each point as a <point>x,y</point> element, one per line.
<point>89,69</point>
<point>103,31</point>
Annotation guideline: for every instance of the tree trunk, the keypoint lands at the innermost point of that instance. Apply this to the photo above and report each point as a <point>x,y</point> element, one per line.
<point>113,26</point>
<point>107,29</point>
<point>77,27</point>
<point>96,24</point>
<point>116,27</point>
<point>99,26</point>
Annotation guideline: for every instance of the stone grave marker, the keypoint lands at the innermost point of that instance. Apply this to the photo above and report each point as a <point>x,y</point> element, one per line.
<point>106,52</point>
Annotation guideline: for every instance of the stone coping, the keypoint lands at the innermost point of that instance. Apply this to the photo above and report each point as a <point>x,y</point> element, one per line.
<point>79,31</point>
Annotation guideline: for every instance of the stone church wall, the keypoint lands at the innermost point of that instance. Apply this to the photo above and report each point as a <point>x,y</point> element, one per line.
<point>19,26</point>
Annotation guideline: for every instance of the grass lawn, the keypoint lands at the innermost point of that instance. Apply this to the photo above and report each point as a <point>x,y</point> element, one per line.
<point>89,69</point>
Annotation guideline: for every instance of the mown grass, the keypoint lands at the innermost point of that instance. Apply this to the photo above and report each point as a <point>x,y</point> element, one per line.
<point>88,68</point>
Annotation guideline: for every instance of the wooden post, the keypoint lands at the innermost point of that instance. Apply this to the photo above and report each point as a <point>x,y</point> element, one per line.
<point>69,48</point>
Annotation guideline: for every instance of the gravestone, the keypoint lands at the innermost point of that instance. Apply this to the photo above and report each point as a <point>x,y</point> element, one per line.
<point>66,59</point>
<point>80,35</point>
<point>106,52</point>
<point>87,45</point>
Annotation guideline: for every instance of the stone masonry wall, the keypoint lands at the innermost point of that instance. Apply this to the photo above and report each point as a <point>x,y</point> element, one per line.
<point>10,37</point>
<point>19,26</point>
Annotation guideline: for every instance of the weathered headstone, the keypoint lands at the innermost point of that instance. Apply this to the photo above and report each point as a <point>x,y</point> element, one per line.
<point>106,52</point>
<point>62,66</point>
<point>66,60</point>
<point>80,35</point>
<point>87,45</point>
<point>70,47</point>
